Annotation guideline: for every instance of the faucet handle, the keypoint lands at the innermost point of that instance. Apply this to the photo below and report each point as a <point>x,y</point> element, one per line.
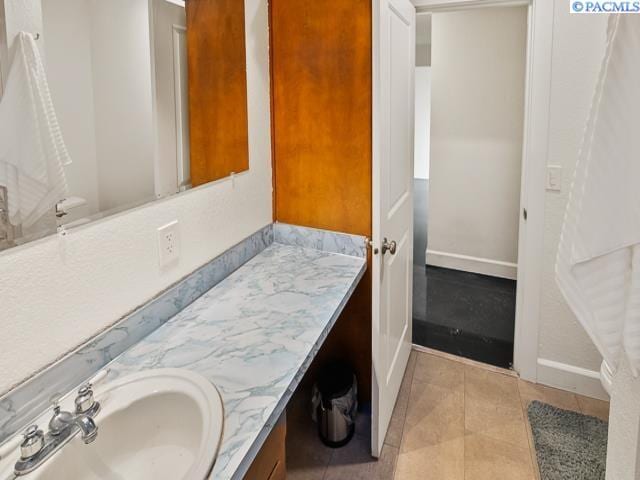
<point>32,444</point>
<point>99,377</point>
<point>84,401</point>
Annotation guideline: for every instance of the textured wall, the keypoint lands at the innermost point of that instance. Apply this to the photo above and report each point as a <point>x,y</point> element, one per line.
<point>578,47</point>
<point>56,293</point>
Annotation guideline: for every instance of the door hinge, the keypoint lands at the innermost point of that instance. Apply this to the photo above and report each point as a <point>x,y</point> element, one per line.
<point>370,245</point>
<point>524,214</point>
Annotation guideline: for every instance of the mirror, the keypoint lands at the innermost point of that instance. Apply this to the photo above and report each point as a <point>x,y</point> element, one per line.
<point>123,131</point>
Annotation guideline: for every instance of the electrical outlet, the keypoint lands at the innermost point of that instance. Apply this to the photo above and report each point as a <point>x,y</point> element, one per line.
<point>168,244</point>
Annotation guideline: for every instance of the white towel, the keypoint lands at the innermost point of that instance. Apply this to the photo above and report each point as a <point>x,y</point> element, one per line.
<point>598,263</point>
<point>32,151</point>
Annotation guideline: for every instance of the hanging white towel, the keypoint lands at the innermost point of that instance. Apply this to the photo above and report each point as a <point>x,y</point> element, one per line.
<point>598,263</point>
<point>32,151</point>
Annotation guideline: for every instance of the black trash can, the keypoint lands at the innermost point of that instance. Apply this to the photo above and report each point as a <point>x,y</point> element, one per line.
<point>335,404</point>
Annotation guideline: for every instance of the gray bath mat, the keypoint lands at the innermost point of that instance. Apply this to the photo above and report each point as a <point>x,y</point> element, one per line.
<point>569,445</point>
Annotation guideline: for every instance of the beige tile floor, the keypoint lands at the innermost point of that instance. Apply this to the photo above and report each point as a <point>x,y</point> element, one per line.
<point>454,420</point>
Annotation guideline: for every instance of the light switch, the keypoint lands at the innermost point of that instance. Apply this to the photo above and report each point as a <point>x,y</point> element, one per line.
<point>554,178</point>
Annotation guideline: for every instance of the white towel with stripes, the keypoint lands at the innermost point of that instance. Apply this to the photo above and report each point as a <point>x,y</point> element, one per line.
<point>598,263</point>
<point>32,151</point>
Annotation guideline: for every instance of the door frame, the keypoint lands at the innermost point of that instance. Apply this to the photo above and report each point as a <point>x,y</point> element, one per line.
<point>534,164</point>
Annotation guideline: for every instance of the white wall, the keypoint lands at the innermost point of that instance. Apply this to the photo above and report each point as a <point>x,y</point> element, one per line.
<point>578,47</point>
<point>56,293</point>
<point>99,69</point>
<point>4,61</point>
<point>67,31</point>
<point>16,16</point>
<point>121,55</point>
<point>623,449</point>
<point>22,15</point>
<point>478,75</point>
<point>423,40</point>
<point>422,123</point>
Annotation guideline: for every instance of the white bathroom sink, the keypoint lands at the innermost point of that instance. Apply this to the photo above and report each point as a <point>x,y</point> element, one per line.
<point>159,424</point>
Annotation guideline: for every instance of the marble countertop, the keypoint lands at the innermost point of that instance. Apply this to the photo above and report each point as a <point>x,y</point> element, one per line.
<point>253,336</point>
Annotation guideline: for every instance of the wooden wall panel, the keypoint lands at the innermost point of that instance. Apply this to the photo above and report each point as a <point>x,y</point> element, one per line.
<point>219,135</point>
<point>322,142</point>
<point>321,87</point>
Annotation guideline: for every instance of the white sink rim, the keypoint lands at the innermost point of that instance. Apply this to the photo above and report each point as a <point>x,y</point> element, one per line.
<point>148,384</point>
<point>206,396</point>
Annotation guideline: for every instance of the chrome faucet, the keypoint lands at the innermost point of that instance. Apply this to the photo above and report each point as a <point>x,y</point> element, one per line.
<point>62,422</point>
<point>37,447</point>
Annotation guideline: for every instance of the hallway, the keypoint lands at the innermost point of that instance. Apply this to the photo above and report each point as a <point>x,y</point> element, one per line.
<point>467,178</point>
<point>462,313</point>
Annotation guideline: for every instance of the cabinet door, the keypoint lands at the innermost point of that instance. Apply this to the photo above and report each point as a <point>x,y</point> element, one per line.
<point>270,463</point>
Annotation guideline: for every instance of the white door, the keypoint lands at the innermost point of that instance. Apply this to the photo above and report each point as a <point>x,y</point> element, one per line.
<point>171,100</point>
<point>393,140</point>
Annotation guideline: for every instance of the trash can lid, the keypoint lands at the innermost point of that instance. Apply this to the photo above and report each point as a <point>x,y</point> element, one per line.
<point>335,380</point>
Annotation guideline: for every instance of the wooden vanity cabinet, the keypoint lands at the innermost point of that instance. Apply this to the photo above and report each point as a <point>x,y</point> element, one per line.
<point>270,463</point>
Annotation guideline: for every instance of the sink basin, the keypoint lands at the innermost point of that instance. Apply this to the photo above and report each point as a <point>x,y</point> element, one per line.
<point>159,424</point>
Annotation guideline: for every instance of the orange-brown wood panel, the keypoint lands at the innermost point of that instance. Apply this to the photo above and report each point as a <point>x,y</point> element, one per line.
<point>217,89</point>
<point>270,462</point>
<point>321,91</point>
<point>321,72</point>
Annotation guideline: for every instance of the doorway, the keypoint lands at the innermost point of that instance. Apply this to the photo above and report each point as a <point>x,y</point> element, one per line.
<point>469,117</point>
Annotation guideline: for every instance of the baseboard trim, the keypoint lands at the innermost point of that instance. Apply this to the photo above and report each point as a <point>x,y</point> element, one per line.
<point>568,377</point>
<point>606,375</point>
<point>484,266</point>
